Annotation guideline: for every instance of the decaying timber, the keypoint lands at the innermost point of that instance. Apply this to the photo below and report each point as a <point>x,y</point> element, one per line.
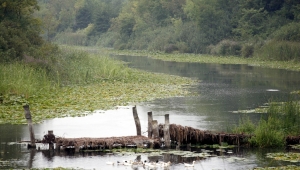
<point>189,135</point>
<point>106,143</point>
<point>292,140</point>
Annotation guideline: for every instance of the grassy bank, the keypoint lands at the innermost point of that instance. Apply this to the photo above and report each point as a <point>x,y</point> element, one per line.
<point>76,83</point>
<point>200,58</point>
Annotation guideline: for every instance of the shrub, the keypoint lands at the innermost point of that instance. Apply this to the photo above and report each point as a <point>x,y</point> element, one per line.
<point>245,126</point>
<point>247,50</point>
<point>267,135</point>
<point>289,32</point>
<point>170,48</point>
<point>282,121</point>
<point>183,47</point>
<point>107,39</point>
<point>225,48</point>
<point>279,51</point>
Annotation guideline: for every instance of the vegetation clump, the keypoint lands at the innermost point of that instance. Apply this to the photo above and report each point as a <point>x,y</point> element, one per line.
<point>281,121</point>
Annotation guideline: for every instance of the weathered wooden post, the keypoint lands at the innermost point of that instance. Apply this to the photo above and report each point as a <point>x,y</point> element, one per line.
<point>167,132</point>
<point>29,122</point>
<point>137,121</point>
<point>51,141</point>
<point>77,149</point>
<point>31,158</point>
<point>188,146</point>
<point>178,145</point>
<point>155,129</point>
<point>150,119</point>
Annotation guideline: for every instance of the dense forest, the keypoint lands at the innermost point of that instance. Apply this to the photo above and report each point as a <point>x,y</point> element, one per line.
<point>220,27</point>
<point>270,28</point>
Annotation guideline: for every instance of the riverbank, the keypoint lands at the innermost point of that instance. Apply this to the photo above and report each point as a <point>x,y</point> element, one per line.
<point>96,82</point>
<point>200,58</point>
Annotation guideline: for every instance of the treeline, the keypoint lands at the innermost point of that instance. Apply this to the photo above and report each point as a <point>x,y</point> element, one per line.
<point>268,29</point>
<point>77,22</point>
<point>220,27</point>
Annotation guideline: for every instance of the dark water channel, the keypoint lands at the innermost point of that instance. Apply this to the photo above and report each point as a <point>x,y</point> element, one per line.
<point>222,90</point>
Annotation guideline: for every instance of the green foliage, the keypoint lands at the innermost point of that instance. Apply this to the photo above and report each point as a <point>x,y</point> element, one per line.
<point>77,82</point>
<point>282,121</point>
<point>268,135</point>
<point>279,51</point>
<point>288,114</point>
<point>247,50</point>
<point>71,38</point>
<point>19,31</point>
<point>215,18</point>
<point>71,16</point>
<point>189,26</point>
<point>289,32</point>
<point>107,39</point>
<point>252,23</point>
<point>83,17</point>
<point>226,48</point>
<point>18,78</point>
<point>245,126</point>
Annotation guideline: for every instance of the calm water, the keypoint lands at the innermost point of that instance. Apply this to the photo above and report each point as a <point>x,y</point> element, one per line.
<point>223,89</point>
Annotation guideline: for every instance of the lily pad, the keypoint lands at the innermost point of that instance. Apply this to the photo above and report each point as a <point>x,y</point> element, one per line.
<point>290,157</point>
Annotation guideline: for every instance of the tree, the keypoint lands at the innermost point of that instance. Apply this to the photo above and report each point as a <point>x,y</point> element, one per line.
<point>83,17</point>
<point>19,31</point>
<point>215,18</point>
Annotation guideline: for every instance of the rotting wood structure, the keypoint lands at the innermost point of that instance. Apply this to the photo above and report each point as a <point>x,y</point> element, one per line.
<point>157,135</point>
<point>106,143</point>
<point>184,135</point>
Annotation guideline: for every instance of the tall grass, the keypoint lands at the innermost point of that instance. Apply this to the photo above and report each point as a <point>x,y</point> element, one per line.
<point>18,78</point>
<point>245,126</point>
<point>282,121</point>
<point>267,134</point>
<point>289,116</point>
<point>67,68</point>
<point>78,67</point>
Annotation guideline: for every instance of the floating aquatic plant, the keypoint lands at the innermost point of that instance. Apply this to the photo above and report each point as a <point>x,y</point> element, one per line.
<point>290,157</point>
<point>289,167</point>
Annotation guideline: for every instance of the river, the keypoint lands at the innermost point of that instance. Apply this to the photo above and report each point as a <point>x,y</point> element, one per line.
<point>222,90</point>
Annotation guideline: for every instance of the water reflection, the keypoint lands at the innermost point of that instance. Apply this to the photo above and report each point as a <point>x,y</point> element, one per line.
<point>223,88</point>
